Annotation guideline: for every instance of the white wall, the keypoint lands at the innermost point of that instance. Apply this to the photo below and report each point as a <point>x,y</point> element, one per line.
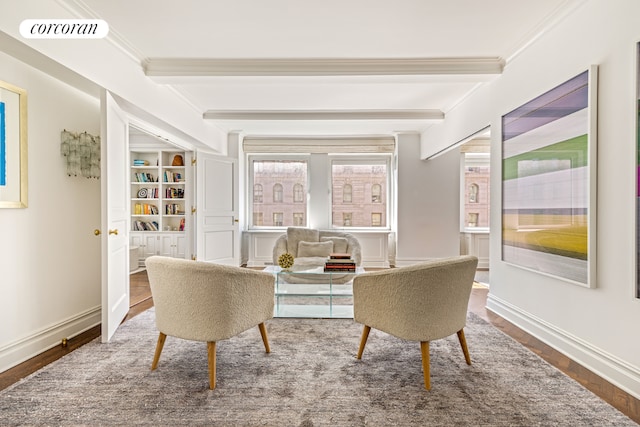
<point>97,59</point>
<point>428,216</point>
<point>597,327</point>
<point>49,257</point>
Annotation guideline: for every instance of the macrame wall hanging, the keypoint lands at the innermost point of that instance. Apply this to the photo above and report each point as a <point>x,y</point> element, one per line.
<point>82,151</point>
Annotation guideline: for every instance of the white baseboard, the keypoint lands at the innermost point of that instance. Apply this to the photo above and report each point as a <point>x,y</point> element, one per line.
<point>24,349</point>
<point>616,371</point>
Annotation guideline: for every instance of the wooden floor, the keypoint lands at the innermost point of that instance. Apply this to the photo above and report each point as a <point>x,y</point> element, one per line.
<point>141,301</point>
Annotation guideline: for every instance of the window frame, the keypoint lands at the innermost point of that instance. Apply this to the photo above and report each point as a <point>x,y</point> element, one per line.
<point>472,159</point>
<point>318,213</point>
<point>385,159</point>
<point>251,158</point>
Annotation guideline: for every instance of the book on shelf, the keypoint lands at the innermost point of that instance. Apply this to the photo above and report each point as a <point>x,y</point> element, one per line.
<point>172,176</point>
<point>144,177</point>
<point>174,193</point>
<point>173,209</point>
<point>145,225</point>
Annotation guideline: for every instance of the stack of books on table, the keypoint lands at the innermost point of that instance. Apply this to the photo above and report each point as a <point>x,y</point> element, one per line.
<point>340,262</point>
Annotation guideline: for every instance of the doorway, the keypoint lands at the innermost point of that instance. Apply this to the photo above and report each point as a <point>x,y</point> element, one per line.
<point>475,200</point>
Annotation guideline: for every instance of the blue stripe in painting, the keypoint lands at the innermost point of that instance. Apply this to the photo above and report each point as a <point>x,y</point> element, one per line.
<point>3,151</point>
<point>559,102</point>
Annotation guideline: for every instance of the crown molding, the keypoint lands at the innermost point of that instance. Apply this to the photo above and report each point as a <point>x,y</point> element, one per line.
<point>323,115</point>
<point>209,67</point>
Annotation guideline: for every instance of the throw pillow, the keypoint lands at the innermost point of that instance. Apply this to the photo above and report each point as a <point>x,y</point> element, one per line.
<point>340,244</point>
<point>299,234</point>
<point>315,249</point>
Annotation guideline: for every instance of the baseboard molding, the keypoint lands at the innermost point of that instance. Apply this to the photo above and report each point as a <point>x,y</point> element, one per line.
<point>24,349</point>
<point>607,366</point>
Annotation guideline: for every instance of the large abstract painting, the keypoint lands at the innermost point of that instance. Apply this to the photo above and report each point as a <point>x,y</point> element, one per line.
<point>638,175</point>
<point>548,178</point>
<point>3,149</point>
<point>13,146</point>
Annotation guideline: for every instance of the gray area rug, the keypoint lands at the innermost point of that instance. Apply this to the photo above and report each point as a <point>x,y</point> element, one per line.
<point>311,378</point>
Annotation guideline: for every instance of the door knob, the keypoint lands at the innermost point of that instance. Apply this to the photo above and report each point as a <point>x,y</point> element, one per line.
<point>97,232</point>
<point>113,232</point>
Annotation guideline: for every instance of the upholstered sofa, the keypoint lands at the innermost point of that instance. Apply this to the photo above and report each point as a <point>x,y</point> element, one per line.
<point>311,247</point>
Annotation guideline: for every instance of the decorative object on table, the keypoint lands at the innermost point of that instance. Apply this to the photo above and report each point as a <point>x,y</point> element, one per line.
<point>285,261</point>
<point>82,151</point>
<point>305,260</point>
<point>177,160</point>
<point>13,146</point>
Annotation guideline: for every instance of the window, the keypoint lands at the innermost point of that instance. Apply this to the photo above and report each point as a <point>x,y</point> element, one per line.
<point>346,219</point>
<point>277,219</point>
<point>257,218</point>
<point>376,193</point>
<point>281,177</point>
<point>298,193</point>
<point>298,219</point>
<point>347,193</point>
<point>473,219</point>
<point>358,192</point>
<point>473,193</point>
<point>257,193</point>
<point>376,219</point>
<point>291,190</point>
<point>277,193</point>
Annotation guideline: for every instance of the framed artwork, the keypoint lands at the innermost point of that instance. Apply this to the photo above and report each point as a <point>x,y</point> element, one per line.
<point>638,173</point>
<point>549,182</point>
<point>13,146</point>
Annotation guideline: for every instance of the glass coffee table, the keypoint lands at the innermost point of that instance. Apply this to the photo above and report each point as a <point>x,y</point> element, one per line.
<point>313,293</point>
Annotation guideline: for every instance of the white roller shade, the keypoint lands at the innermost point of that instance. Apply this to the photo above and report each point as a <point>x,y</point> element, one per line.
<point>383,144</point>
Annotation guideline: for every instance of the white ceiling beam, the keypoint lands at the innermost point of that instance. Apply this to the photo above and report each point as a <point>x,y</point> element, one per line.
<point>323,115</point>
<point>182,67</point>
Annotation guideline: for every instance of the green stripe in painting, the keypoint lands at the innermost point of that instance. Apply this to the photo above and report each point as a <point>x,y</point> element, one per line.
<point>574,149</point>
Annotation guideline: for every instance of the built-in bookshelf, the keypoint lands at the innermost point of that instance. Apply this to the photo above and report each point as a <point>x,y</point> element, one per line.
<point>159,201</point>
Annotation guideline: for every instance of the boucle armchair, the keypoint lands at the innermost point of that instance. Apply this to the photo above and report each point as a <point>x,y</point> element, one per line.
<point>422,302</point>
<point>207,302</point>
<point>311,247</point>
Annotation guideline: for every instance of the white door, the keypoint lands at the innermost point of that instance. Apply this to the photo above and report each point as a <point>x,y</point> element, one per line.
<point>115,218</point>
<point>218,236</point>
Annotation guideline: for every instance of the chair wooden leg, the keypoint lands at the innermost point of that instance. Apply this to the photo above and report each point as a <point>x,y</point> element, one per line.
<point>424,349</point>
<point>265,340</point>
<point>463,344</point>
<point>159,346</point>
<point>363,340</point>
<point>211,351</point>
